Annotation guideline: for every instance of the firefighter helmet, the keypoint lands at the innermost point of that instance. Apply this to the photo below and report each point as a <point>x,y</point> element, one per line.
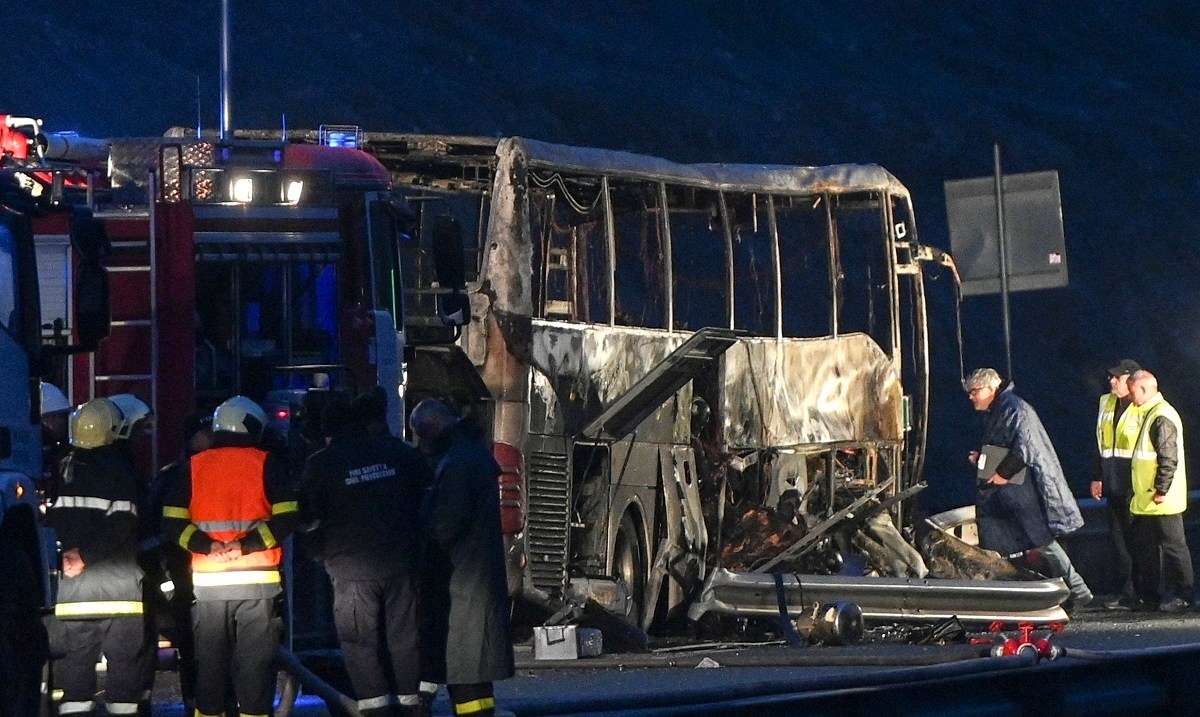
<point>239,415</point>
<point>53,399</point>
<point>94,424</point>
<point>133,409</point>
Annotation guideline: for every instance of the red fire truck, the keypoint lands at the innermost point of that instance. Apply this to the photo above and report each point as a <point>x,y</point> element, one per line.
<point>258,268</point>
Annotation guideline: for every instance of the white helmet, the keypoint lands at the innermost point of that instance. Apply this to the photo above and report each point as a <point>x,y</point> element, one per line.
<point>53,399</point>
<point>133,409</point>
<point>94,424</point>
<point>239,415</point>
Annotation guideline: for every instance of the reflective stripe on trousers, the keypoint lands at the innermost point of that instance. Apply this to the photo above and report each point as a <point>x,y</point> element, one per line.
<point>98,607</point>
<point>466,708</point>
<point>235,577</point>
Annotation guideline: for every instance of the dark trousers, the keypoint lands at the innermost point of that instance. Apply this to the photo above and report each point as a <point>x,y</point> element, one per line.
<point>163,564</point>
<point>376,623</point>
<point>1161,552</point>
<point>474,699</point>
<point>235,639</point>
<point>182,635</point>
<point>1120,524</point>
<point>122,642</point>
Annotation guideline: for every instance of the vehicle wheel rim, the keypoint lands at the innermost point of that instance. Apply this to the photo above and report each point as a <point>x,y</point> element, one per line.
<point>627,568</point>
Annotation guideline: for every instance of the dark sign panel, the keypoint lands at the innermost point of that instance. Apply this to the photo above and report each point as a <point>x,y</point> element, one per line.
<point>1032,224</point>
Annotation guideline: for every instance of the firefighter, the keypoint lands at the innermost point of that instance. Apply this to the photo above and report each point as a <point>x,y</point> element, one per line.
<point>364,491</point>
<point>135,419</point>
<point>99,608</point>
<point>465,638</point>
<point>232,509</point>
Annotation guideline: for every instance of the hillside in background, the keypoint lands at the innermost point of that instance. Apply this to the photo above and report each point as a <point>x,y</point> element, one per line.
<point>1106,93</point>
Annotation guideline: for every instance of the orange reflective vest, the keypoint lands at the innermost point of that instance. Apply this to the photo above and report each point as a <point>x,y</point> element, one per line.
<point>229,500</point>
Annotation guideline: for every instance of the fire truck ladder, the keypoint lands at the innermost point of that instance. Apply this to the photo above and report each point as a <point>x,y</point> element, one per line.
<point>127,361</point>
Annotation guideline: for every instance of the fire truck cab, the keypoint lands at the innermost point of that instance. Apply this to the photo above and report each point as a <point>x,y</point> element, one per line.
<point>27,552</point>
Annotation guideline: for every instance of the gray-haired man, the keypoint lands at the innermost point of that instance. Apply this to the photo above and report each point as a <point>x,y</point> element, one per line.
<point>1016,516</point>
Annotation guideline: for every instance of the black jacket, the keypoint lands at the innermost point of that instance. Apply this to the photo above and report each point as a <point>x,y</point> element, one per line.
<point>96,514</point>
<point>1163,437</point>
<point>464,588</point>
<point>366,493</point>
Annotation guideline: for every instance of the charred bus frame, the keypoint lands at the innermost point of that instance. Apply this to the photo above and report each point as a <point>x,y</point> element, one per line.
<point>620,301</point>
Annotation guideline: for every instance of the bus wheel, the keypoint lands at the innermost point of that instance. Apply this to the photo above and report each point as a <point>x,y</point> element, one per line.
<point>629,566</point>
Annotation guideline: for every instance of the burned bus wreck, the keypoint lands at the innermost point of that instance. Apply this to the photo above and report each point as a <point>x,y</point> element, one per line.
<point>696,377</point>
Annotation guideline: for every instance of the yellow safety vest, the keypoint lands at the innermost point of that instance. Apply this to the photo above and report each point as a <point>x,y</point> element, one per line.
<point>1118,443</point>
<point>1145,464</point>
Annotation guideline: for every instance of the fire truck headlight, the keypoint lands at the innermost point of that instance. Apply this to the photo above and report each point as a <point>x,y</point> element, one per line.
<point>292,191</point>
<point>241,189</point>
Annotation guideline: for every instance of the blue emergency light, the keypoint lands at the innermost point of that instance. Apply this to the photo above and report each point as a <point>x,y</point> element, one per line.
<point>349,136</point>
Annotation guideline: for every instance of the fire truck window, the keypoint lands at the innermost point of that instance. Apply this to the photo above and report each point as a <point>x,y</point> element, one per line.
<point>864,293</point>
<point>753,264</point>
<point>415,256</point>
<point>470,210</point>
<point>698,260</point>
<point>261,345</point>
<point>640,281</point>
<point>313,315</point>
<point>9,315</point>
<point>215,323</point>
<point>804,266</point>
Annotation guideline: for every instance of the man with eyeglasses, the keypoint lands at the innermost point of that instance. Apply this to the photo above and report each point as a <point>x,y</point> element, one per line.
<point>1025,504</point>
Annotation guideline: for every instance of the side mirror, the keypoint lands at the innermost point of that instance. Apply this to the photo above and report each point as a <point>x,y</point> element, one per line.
<point>445,234</point>
<point>88,235</point>
<point>92,318</point>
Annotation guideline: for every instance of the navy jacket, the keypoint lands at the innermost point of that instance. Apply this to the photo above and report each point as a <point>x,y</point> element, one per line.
<point>465,627</point>
<point>1020,517</point>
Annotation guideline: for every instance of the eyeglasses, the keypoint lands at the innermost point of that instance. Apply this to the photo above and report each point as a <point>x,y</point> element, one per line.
<point>975,390</point>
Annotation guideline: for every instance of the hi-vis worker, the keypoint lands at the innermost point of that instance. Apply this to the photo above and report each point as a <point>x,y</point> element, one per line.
<point>1158,500</point>
<point>232,510</point>
<point>99,608</point>
<point>1118,423</point>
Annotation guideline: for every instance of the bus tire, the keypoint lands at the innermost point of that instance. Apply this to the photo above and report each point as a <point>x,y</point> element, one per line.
<point>629,565</point>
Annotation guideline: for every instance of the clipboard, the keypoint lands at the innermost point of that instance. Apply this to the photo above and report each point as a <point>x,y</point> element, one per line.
<point>989,458</point>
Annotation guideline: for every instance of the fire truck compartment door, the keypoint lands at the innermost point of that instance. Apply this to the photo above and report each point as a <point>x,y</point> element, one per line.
<point>623,415</point>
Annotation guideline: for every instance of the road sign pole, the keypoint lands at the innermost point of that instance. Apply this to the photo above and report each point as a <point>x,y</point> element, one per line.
<point>1003,244</point>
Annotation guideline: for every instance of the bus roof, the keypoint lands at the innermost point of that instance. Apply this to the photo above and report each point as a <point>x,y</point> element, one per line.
<point>782,179</point>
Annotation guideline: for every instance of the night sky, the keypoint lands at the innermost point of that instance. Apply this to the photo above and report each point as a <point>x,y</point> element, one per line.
<point>1107,93</point>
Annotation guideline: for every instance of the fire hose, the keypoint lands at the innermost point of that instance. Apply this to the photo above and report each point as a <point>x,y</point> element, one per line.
<point>289,663</point>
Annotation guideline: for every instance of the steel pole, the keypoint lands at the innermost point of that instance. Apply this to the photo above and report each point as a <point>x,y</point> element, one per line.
<point>1002,241</point>
<point>225,99</point>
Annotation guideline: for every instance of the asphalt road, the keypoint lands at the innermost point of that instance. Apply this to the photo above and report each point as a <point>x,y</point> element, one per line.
<point>658,678</point>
